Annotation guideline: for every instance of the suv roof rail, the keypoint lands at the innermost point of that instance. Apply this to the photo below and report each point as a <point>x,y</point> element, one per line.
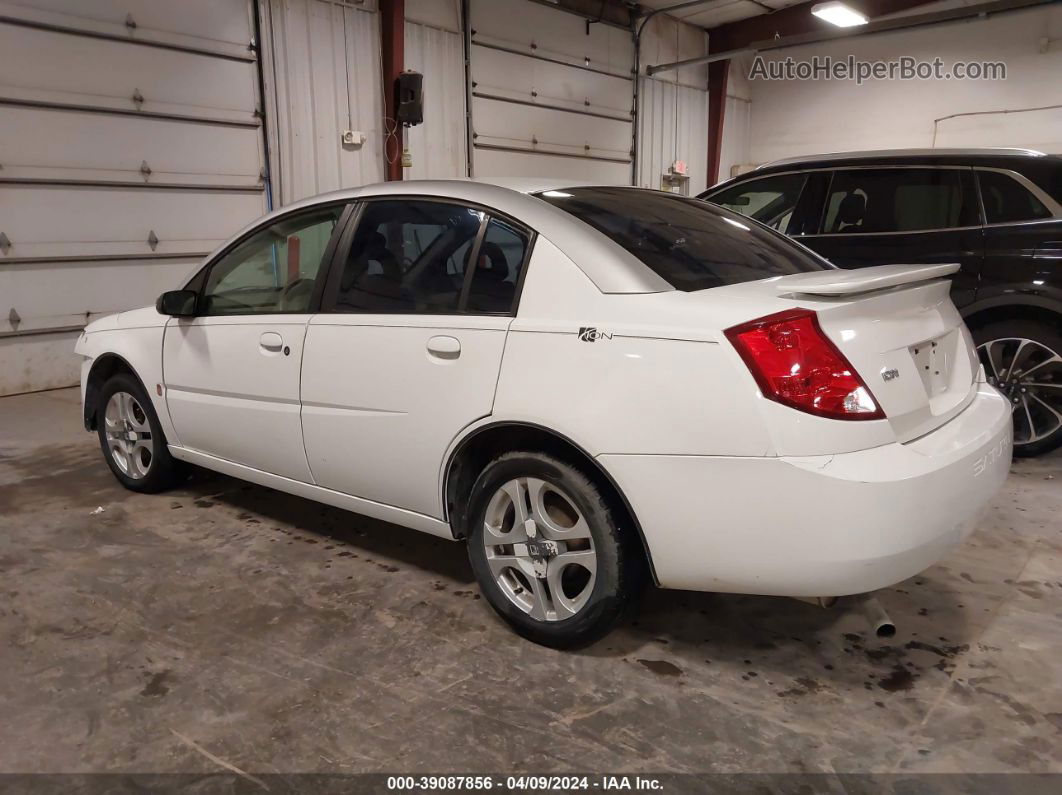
<point>886,153</point>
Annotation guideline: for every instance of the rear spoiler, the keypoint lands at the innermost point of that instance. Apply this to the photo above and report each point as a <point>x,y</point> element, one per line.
<point>861,280</point>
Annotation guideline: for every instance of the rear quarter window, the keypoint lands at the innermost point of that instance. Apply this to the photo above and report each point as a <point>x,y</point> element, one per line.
<point>691,244</point>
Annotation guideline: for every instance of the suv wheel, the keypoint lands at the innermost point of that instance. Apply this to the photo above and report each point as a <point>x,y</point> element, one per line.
<point>131,437</point>
<point>1024,361</point>
<point>547,551</point>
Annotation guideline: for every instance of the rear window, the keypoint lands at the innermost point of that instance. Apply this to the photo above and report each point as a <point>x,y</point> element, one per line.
<point>1008,201</point>
<point>689,243</point>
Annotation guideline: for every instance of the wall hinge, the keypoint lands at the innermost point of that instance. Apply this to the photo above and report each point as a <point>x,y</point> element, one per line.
<point>5,243</point>
<point>14,318</point>
<point>153,240</point>
<point>145,169</point>
<point>130,22</point>
<point>138,98</point>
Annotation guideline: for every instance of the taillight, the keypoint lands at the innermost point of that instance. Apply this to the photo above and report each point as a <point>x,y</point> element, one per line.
<point>794,363</point>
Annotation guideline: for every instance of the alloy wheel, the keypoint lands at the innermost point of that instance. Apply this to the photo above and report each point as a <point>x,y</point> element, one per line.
<point>1029,374</point>
<point>539,549</point>
<point>128,435</point>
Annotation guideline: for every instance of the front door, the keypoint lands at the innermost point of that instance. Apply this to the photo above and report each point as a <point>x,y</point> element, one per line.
<point>407,348</point>
<point>911,216</point>
<point>232,371</point>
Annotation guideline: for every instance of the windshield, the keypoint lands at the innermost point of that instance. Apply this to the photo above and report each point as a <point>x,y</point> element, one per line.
<point>689,243</point>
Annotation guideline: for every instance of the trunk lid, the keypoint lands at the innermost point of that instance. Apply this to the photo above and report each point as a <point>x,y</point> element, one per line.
<point>898,327</point>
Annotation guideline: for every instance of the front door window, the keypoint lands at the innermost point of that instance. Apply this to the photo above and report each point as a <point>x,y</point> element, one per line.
<point>274,270</point>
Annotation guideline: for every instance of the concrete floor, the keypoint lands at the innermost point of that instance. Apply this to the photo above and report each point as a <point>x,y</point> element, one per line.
<point>226,623</point>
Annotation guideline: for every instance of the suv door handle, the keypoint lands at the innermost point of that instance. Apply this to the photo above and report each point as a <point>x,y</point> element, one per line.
<point>271,341</point>
<point>443,347</point>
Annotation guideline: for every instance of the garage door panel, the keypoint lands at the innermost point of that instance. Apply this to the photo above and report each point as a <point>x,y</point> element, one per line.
<point>129,152</point>
<point>100,72</point>
<point>53,221</point>
<point>53,295</point>
<point>543,81</point>
<point>516,76</point>
<point>519,24</point>
<point>490,163</point>
<point>217,20</point>
<point>50,144</point>
<point>519,125</point>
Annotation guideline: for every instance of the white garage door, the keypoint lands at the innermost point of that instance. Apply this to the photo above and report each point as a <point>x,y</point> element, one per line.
<point>131,145</point>
<point>551,96</point>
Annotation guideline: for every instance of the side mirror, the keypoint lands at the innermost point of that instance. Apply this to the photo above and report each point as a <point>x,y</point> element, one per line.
<point>740,201</point>
<point>177,303</point>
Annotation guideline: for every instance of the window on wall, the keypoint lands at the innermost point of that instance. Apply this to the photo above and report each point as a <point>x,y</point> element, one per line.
<point>1008,201</point>
<point>274,270</point>
<point>898,200</point>
<point>415,257</point>
<point>769,200</point>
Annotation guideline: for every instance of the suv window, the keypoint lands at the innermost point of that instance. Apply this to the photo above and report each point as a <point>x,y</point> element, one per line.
<point>770,200</point>
<point>274,270</point>
<point>691,244</point>
<point>897,200</point>
<point>1006,200</point>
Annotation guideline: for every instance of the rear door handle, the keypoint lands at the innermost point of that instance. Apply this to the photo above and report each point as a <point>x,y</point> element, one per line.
<point>271,341</point>
<point>443,347</point>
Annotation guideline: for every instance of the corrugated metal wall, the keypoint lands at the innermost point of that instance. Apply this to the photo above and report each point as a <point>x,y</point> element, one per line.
<point>673,106</point>
<point>438,145</point>
<point>323,76</point>
<point>130,147</point>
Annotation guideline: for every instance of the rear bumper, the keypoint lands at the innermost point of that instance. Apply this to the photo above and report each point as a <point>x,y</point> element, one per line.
<point>820,525</point>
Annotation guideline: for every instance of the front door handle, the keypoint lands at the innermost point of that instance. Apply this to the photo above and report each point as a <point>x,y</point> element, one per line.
<point>271,341</point>
<point>443,347</point>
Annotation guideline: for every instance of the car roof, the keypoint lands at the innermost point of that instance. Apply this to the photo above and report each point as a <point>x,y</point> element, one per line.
<point>1024,161</point>
<point>899,154</point>
<point>609,266</point>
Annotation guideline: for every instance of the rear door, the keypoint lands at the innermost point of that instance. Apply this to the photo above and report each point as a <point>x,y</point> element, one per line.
<point>407,349</point>
<point>910,215</point>
<point>1023,237</point>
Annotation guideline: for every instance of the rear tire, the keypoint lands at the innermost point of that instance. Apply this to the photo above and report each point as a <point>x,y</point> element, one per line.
<point>1023,359</point>
<point>131,437</point>
<point>547,551</point>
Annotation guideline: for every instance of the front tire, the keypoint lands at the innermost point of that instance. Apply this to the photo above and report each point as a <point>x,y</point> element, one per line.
<point>1023,359</point>
<point>131,437</point>
<point>547,551</point>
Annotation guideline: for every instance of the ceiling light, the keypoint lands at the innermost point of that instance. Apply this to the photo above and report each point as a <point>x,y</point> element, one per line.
<point>838,14</point>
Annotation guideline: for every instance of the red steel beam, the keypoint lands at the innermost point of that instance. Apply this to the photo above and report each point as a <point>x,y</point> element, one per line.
<point>718,73</point>
<point>393,37</point>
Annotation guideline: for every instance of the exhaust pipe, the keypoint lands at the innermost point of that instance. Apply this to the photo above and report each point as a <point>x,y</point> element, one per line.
<point>880,622</point>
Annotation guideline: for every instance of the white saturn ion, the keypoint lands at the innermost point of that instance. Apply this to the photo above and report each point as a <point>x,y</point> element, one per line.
<point>586,384</point>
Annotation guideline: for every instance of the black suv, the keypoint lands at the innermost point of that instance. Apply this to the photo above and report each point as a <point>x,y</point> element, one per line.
<point>997,212</point>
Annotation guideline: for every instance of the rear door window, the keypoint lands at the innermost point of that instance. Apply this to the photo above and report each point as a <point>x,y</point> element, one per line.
<point>691,244</point>
<point>1007,201</point>
<point>898,200</point>
<point>770,200</point>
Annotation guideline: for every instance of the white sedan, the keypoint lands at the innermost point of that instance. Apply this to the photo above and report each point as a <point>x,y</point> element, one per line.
<point>586,384</point>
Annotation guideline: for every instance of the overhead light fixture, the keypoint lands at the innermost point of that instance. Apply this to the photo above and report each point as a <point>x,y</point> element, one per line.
<point>839,14</point>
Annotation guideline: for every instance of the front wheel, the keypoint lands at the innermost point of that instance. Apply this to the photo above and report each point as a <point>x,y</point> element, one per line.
<point>547,551</point>
<point>1023,359</point>
<point>131,437</point>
